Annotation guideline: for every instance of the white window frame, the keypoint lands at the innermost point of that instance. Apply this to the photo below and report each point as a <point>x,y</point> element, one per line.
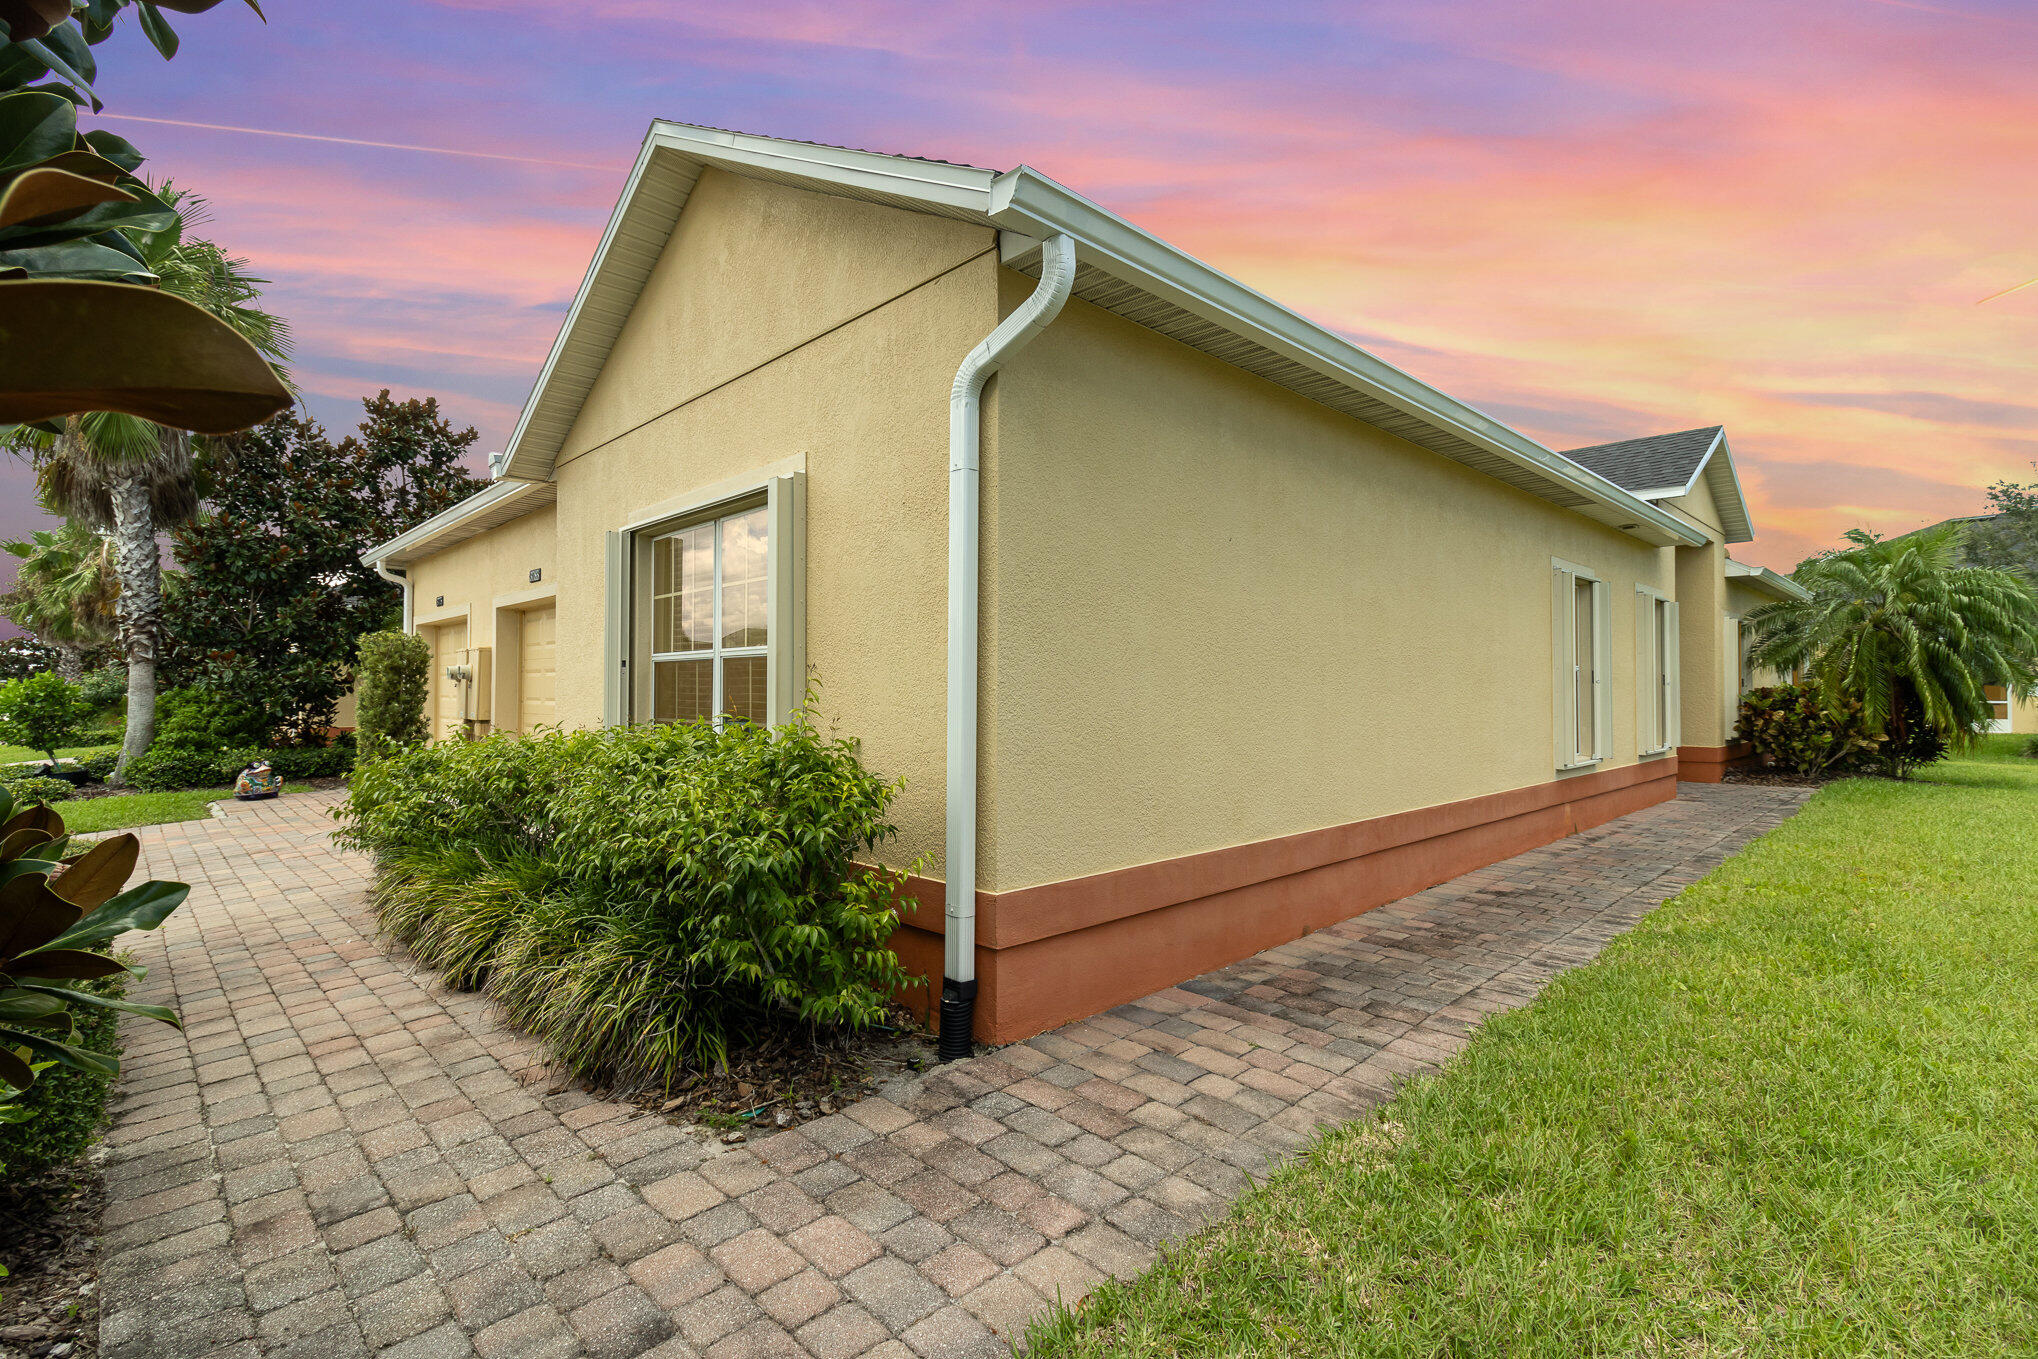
<point>1657,677</point>
<point>627,696</point>
<point>1564,676</point>
<point>715,653</point>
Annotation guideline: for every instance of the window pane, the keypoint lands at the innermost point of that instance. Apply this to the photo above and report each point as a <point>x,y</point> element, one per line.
<point>743,688</point>
<point>663,554</point>
<point>682,690</point>
<point>1582,658</point>
<point>743,567</point>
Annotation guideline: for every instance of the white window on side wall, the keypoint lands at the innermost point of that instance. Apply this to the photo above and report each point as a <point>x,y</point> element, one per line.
<point>710,603</point>
<point>1582,632</point>
<point>1658,695</point>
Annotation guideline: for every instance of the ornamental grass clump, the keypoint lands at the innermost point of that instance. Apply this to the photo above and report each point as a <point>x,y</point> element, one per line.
<point>644,899</point>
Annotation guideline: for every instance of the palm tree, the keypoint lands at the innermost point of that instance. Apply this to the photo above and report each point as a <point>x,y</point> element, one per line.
<point>138,478</point>
<point>1900,628</point>
<point>64,592</point>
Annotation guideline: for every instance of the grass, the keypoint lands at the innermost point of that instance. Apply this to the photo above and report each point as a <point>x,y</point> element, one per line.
<point>22,754</point>
<point>1792,1113</point>
<point>90,816</point>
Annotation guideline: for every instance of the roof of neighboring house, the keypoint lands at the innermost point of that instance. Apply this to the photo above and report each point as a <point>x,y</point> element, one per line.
<point>1119,268</point>
<point>496,503</point>
<point>1666,466</point>
<point>1775,583</point>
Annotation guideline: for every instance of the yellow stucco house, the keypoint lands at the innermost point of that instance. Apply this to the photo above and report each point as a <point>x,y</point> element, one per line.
<point>1196,629</point>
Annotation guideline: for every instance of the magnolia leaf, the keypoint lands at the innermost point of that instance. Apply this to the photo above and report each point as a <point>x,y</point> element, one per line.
<point>39,816</point>
<point>158,29</point>
<point>48,193</point>
<point>86,346</point>
<point>139,908</point>
<point>117,149</point>
<point>95,261</point>
<point>64,964</point>
<point>14,1071</point>
<point>100,872</point>
<point>90,164</point>
<point>34,126</point>
<point>31,916</point>
<point>17,843</point>
<point>161,1014</point>
<point>32,18</point>
<point>20,1006</point>
<point>139,211</point>
<point>81,1059</point>
<point>46,52</point>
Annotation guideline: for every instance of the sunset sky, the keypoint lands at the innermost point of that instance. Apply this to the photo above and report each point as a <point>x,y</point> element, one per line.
<point>1592,220</point>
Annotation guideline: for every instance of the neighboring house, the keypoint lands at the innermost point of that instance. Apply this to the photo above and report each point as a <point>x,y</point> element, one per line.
<point>1266,632</point>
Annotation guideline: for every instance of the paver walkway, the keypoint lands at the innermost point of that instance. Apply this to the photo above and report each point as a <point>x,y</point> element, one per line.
<point>336,1158</point>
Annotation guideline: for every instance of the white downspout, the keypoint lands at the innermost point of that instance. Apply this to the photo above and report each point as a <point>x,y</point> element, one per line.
<point>965,402</point>
<point>402,580</point>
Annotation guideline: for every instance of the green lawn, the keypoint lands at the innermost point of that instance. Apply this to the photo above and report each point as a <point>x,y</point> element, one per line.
<point>89,816</point>
<point>1795,1112</point>
<point>18,754</point>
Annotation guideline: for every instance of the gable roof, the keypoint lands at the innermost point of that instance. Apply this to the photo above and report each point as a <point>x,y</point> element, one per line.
<point>1119,268</point>
<point>496,503</point>
<point>1666,466</point>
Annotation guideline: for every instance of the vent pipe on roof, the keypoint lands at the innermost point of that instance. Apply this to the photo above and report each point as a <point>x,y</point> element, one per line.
<point>965,410</point>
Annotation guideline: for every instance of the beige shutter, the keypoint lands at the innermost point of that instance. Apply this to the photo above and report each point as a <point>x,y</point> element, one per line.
<point>785,596</point>
<point>1673,671</point>
<point>615,634</point>
<point>1648,677</point>
<point>1563,606</point>
<point>1602,669</point>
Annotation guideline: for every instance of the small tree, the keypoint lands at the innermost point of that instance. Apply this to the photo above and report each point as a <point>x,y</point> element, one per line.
<point>394,678</point>
<point>41,712</point>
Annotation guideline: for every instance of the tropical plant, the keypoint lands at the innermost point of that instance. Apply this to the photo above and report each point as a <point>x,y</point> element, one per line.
<point>138,478</point>
<point>58,914</point>
<point>393,680</point>
<point>642,898</point>
<point>64,592</point>
<point>275,595</point>
<point>1791,727</point>
<point>80,336</point>
<point>1901,630</point>
<point>41,712</point>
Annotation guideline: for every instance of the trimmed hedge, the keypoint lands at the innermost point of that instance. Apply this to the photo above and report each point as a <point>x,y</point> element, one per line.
<point>169,765</point>
<point>393,680</point>
<point>641,898</point>
<point>36,788</point>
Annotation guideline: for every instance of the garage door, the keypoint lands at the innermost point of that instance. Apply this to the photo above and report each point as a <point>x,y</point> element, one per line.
<point>449,641</point>
<point>537,682</point>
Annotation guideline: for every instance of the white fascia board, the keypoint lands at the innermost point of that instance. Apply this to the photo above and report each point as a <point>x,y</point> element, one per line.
<point>1026,201</point>
<point>1782,586</point>
<point>952,186</point>
<point>513,450</point>
<point>1726,493</point>
<point>488,497</point>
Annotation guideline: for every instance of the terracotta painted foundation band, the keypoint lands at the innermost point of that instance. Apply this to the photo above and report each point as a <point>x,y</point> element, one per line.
<point>1709,764</point>
<point>1066,950</point>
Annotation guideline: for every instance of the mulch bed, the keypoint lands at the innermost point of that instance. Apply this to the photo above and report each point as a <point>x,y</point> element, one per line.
<point>1780,778</point>
<point>49,1304</point>
<point>790,1080</point>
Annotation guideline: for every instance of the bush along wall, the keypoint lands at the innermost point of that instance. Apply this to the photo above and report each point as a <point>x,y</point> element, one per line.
<point>394,677</point>
<point>642,899</point>
<point>1791,727</point>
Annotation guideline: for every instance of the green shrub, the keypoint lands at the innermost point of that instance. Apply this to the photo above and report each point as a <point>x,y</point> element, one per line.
<point>197,716</point>
<point>40,712</point>
<point>641,898</point>
<point>99,763</point>
<point>167,766</point>
<point>313,762</point>
<point>66,1106</point>
<point>2031,747</point>
<point>1790,727</point>
<point>105,689</point>
<point>393,680</point>
<point>35,788</point>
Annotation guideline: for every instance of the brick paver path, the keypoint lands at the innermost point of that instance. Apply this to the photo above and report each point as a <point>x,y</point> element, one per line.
<point>336,1158</point>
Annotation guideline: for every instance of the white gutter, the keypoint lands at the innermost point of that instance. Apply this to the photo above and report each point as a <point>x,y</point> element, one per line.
<point>965,432</point>
<point>401,579</point>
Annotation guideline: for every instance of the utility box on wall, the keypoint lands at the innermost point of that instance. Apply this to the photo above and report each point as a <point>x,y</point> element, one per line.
<point>473,673</point>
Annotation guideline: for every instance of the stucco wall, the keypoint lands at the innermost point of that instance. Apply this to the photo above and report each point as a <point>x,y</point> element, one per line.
<point>786,330</point>
<point>1223,613</point>
<point>473,573</point>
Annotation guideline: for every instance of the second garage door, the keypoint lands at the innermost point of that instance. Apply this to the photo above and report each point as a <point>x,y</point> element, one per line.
<point>537,685</point>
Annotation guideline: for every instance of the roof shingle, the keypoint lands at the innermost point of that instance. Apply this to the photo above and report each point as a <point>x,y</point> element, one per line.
<point>1650,463</point>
